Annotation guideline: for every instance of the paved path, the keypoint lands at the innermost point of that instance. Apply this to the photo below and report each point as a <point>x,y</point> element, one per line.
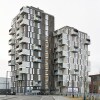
<point>38,97</point>
<point>60,98</point>
<point>47,98</point>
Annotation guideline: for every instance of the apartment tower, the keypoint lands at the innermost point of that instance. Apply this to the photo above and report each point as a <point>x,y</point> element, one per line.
<point>71,64</point>
<point>31,60</point>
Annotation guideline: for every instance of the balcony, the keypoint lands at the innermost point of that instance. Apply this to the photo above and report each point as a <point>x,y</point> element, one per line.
<point>19,77</point>
<point>24,64</point>
<point>74,32</point>
<point>19,31</point>
<point>24,40</point>
<point>76,68</point>
<point>86,42</point>
<point>60,78</point>
<point>37,48</point>
<point>58,72</point>
<point>23,70</point>
<point>37,60</point>
<point>63,42</point>
<point>24,22</point>
<point>74,72</point>
<point>19,36</point>
<point>24,52</point>
<point>11,52</point>
<point>11,42</point>
<point>62,83</point>
<point>74,50</point>
<point>24,10</point>
<point>88,38</point>
<point>12,31</point>
<point>19,47</point>
<point>75,44</point>
<point>59,61</point>
<point>63,66</point>
<point>63,54</point>
<point>37,19</point>
<point>19,59</point>
<point>19,18</point>
<point>11,63</point>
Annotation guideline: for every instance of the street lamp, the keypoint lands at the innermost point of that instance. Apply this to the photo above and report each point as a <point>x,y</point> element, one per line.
<point>6,80</point>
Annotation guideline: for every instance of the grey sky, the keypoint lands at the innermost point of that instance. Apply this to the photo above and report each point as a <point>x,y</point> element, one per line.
<point>81,14</point>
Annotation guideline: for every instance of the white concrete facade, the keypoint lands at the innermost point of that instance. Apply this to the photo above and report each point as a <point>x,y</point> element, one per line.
<point>71,64</point>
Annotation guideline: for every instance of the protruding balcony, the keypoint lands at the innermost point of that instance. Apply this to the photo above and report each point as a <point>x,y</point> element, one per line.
<point>37,48</point>
<point>63,66</point>
<point>24,10</point>
<point>74,50</point>
<point>19,36</point>
<point>74,32</point>
<point>58,72</point>
<point>19,59</point>
<point>24,40</point>
<point>37,19</point>
<point>73,72</point>
<point>37,60</point>
<point>59,61</point>
<point>11,42</point>
<point>59,78</point>
<point>76,44</point>
<point>24,64</point>
<point>19,47</point>
<point>23,70</point>
<point>19,18</point>
<point>58,49</point>
<point>76,68</point>
<point>11,63</point>
<point>63,54</point>
<point>88,38</point>
<point>86,42</point>
<point>24,52</point>
<point>11,52</point>
<point>63,42</point>
<point>19,77</point>
<point>24,22</point>
<point>12,31</point>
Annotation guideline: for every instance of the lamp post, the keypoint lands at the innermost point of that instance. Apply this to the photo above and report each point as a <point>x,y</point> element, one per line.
<point>6,80</point>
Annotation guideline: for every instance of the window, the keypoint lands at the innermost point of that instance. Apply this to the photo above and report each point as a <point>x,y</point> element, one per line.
<point>31,77</point>
<point>46,22</point>
<point>46,27</point>
<point>31,23</point>
<point>38,25</point>
<point>31,11</point>
<point>39,31</point>
<point>46,17</point>
<point>28,16</point>
<point>46,33</point>
<point>32,29</point>
<point>28,28</point>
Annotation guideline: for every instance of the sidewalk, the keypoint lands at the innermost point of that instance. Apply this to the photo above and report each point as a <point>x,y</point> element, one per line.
<point>60,98</point>
<point>4,97</point>
<point>75,98</point>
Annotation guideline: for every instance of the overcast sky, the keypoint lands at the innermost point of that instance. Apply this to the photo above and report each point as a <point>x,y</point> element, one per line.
<point>81,14</point>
